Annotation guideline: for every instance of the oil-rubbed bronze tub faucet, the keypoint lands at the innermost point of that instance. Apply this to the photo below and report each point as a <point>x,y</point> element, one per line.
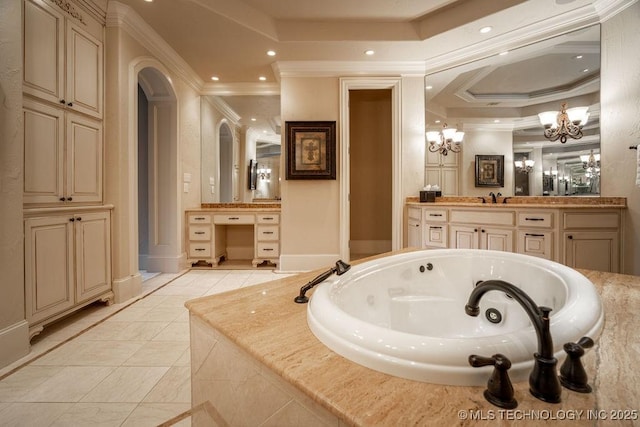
<point>340,268</point>
<point>543,380</point>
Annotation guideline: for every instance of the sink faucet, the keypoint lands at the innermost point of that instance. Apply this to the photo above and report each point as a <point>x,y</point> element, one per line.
<point>494,197</point>
<point>543,381</point>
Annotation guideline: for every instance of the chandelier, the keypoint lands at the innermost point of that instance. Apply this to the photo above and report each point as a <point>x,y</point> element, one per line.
<point>525,165</point>
<point>265,174</point>
<point>563,124</point>
<point>591,163</point>
<point>448,139</point>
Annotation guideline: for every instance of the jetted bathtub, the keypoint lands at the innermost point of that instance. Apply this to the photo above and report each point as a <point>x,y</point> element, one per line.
<point>404,314</point>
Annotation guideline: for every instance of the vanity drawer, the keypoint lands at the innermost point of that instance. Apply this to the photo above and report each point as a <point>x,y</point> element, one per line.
<point>268,250</point>
<point>536,219</point>
<point>199,250</point>
<point>268,232</point>
<point>435,215</point>
<point>199,232</point>
<point>268,218</point>
<point>233,219</point>
<point>574,220</point>
<point>198,218</point>
<point>487,216</point>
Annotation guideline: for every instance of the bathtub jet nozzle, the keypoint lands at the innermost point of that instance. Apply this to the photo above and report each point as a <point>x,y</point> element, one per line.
<point>340,268</point>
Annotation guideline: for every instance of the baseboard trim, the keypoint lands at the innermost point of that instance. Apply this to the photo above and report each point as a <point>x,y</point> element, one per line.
<point>166,264</point>
<point>127,287</point>
<point>299,263</point>
<point>14,343</point>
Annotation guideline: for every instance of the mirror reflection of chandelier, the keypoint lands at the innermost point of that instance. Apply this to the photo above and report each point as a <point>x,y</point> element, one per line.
<point>563,124</point>
<point>591,163</point>
<point>264,173</point>
<point>449,139</point>
<point>525,165</point>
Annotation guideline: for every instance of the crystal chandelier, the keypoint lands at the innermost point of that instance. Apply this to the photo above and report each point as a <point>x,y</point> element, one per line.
<point>563,124</point>
<point>449,139</point>
<point>591,163</point>
<point>525,165</point>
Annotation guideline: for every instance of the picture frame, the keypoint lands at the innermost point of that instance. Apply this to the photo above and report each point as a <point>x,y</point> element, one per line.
<point>311,150</point>
<point>489,170</point>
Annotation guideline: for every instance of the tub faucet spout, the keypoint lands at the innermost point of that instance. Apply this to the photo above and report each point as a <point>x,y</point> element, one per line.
<point>494,197</point>
<point>340,268</point>
<point>543,381</point>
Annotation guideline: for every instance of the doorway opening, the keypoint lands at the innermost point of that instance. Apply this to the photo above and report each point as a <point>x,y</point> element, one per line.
<point>370,189</point>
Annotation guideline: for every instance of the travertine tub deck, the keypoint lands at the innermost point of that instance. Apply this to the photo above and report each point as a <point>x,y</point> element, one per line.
<point>267,326</point>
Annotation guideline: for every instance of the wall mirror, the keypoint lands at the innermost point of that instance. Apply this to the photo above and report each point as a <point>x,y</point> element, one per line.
<point>237,131</point>
<point>506,92</point>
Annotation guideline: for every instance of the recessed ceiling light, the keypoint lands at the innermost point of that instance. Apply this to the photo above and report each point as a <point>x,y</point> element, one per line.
<point>271,52</point>
<point>485,30</point>
<point>148,1</point>
<point>429,87</point>
<point>506,52</point>
<point>437,121</point>
<point>369,52</point>
<point>253,119</point>
<point>578,56</point>
<point>586,70</point>
<point>496,121</point>
<point>215,78</point>
<point>262,78</point>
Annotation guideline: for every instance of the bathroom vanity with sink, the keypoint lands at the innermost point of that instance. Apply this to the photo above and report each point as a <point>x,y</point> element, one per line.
<point>579,232</point>
<point>252,348</point>
<point>233,231</point>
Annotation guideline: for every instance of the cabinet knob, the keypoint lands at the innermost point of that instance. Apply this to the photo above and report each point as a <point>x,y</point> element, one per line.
<point>62,101</point>
<point>72,219</point>
<point>70,104</point>
<point>79,219</point>
<point>62,199</point>
<point>69,199</point>
<point>570,237</point>
<point>483,230</point>
<point>475,230</point>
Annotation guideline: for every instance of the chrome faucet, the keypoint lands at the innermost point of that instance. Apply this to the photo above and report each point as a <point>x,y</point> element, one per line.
<point>494,197</point>
<point>543,380</point>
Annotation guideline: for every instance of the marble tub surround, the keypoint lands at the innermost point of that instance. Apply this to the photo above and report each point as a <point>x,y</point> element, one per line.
<point>529,201</point>
<point>261,336</point>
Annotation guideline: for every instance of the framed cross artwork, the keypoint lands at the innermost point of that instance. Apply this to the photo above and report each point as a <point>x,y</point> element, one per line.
<point>311,150</point>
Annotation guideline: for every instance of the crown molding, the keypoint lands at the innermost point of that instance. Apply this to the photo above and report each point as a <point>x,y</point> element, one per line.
<point>122,16</point>
<point>609,8</point>
<point>347,68</point>
<point>222,89</point>
<point>224,109</point>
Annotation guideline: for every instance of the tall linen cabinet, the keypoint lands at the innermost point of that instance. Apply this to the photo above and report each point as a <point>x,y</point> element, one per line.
<point>67,227</point>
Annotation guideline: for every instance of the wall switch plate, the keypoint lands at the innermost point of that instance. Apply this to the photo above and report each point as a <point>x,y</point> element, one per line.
<point>185,187</point>
<point>186,177</point>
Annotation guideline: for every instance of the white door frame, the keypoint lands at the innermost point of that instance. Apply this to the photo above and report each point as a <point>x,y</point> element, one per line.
<point>357,83</point>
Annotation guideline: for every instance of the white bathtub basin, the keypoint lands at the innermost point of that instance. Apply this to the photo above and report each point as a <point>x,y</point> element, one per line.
<point>389,316</point>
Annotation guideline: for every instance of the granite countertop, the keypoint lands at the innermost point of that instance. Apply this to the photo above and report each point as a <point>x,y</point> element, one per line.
<point>237,206</point>
<point>264,321</point>
<point>530,202</point>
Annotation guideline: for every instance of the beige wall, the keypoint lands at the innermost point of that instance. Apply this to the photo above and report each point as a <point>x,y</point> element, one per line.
<point>14,331</point>
<point>620,122</point>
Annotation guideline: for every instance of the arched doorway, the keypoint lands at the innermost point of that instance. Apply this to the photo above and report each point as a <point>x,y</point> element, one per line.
<point>157,174</point>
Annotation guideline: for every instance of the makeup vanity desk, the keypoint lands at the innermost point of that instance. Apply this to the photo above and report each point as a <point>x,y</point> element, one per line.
<point>233,232</point>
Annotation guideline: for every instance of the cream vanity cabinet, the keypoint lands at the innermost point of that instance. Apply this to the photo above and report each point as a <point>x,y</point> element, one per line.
<point>443,171</point>
<point>482,229</point>
<point>591,239</point>
<point>68,263</point>
<point>435,230</point>
<point>247,234</point>
<point>414,228</point>
<point>63,56</point>
<point>63,156</point>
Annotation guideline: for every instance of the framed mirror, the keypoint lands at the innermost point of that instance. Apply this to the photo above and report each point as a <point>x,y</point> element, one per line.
<point>496,101</point>
<point>237,131</point>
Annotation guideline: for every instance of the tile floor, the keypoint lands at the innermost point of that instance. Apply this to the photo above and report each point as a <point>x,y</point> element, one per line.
<point>123,365</point>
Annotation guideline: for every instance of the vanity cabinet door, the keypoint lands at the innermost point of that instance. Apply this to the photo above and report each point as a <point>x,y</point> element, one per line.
<point>464,237</point>
<point>592,250</point>
<point>435,235</point>
<point>496,239</point>
<point>536,243</point>
<point>414,233</point>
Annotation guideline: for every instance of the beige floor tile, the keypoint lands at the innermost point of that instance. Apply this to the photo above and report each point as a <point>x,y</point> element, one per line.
<point>124,331</point>
<point>95,414</point>
<point>90,353</point>
<point>126,384</point>
<point>174,387</point>
<point>68,385</point>
<point>158,353</point>
<point>32,414</point>
<point>176,331</point>
<point>18,384</point>
<point>165,313</point>
<point>185,358</point>
<point>153,414</point>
